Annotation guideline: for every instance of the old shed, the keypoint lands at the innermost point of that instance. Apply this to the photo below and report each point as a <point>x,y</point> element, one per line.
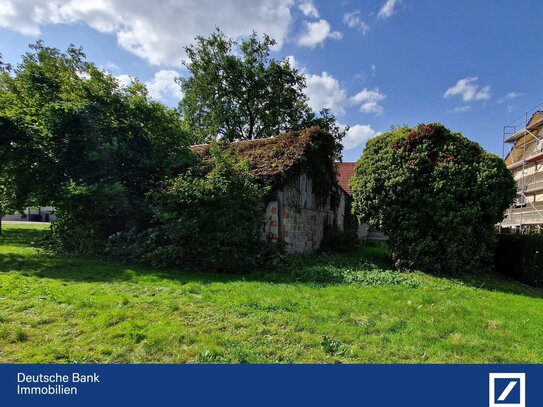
<point>305,200</point>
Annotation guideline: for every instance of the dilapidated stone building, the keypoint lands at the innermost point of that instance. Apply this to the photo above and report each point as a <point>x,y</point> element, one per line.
<point>305,200</point>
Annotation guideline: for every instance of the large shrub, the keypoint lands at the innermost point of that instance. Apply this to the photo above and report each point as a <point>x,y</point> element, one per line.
<point>436,194</point>
<point>72,137</point>
<point>117,155</point>
<point>209,218</point>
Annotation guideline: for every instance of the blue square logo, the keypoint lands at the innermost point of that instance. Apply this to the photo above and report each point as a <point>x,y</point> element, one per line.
<point>507,389</point>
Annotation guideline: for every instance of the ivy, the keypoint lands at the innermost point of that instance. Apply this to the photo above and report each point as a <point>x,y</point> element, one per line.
<point>209,221</point>
<point>436,194</point>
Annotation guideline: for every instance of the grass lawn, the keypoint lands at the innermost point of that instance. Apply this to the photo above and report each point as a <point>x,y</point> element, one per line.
<point>322,308</point>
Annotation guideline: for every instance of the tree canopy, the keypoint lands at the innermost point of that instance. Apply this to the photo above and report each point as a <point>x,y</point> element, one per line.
<point>74,138</point>
<point>436,194</point>
<point>235,91</point>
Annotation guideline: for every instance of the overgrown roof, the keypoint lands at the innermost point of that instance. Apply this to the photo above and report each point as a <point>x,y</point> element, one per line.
<point>271,157</point>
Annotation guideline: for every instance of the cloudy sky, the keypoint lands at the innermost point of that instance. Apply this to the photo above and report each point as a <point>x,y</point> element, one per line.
<point>472,65</point>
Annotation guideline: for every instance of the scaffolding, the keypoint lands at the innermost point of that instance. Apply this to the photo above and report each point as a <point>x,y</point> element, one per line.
<point>523,155</point>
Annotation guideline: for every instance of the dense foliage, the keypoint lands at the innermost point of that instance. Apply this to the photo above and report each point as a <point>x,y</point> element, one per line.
<point>340,241</point>
<point>72,137</point>
<point>104,155</point>
<point>208,221</point>
<point>236,91</point>
<point>436,194</point>
<point>521,257</point>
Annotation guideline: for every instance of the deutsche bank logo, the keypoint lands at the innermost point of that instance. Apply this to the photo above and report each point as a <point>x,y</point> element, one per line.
<point>507,389</point>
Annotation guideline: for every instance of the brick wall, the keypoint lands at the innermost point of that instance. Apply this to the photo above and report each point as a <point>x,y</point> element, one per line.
<point>299,219</point>
<point>271,225</point>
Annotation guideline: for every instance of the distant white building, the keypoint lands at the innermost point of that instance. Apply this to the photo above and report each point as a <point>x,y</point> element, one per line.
<point>37,214</point>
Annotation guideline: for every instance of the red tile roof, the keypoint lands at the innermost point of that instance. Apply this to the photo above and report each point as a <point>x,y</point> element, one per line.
<point>345,173</point>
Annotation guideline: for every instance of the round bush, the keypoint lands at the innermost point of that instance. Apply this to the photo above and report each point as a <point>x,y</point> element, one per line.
<point>436,194</point>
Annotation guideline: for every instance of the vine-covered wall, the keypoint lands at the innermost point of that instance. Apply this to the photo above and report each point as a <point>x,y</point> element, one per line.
<point>300,218</point>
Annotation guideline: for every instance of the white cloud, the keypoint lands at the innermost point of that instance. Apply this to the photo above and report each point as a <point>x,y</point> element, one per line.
<point>462,109</point>
<point>325,91</point>
<point>112,66</point>
<point>388,9</point>
<point>510,96</point>
<point>163,86</point>
<point>308,9</point>
<point>155,30</point>
<point>292,62</point>
<point>83,75</point>
<point>123,79</point>
<point>369,100</point>
<point>358,135</point>
<point>353,19</point>
<point>316,33</point>
<point>484,93</point>
<point>469,90</point>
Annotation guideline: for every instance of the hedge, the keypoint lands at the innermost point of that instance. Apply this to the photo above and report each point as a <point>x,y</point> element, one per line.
<point>520,257</point>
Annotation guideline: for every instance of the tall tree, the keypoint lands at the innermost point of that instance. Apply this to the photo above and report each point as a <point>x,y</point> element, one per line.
<point>236,91</point>
<point>15,179</point>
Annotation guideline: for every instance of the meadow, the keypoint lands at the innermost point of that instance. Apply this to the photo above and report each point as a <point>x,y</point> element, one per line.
<point>322,308</point>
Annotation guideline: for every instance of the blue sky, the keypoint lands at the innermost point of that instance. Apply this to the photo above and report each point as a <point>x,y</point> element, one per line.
<point>472,65</point>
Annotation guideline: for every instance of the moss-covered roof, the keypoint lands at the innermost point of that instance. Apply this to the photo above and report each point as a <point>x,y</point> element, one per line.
<point>271,157</point>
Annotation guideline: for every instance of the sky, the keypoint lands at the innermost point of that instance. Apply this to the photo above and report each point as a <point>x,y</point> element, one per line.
<point>474,66</point>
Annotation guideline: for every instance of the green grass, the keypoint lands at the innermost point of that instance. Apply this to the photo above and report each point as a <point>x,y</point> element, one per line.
<point>320,309</point>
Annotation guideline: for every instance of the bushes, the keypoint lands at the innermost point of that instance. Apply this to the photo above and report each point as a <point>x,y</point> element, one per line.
<point>520,257</point>
<point>88,215</point>
<point>208,221</point>
<point>436,194</point>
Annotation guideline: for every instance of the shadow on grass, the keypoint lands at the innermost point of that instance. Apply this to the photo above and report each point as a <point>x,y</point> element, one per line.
<point>75,269</point>
<point>21,236</point>
<point>496,282</point>
<point>319,269</point>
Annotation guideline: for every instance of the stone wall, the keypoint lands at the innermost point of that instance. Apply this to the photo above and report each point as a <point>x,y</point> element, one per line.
<point>299,219</point>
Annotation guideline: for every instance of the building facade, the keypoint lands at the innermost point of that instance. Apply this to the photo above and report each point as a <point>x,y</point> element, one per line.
<point>525,161</point>
<point>299,219</point>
